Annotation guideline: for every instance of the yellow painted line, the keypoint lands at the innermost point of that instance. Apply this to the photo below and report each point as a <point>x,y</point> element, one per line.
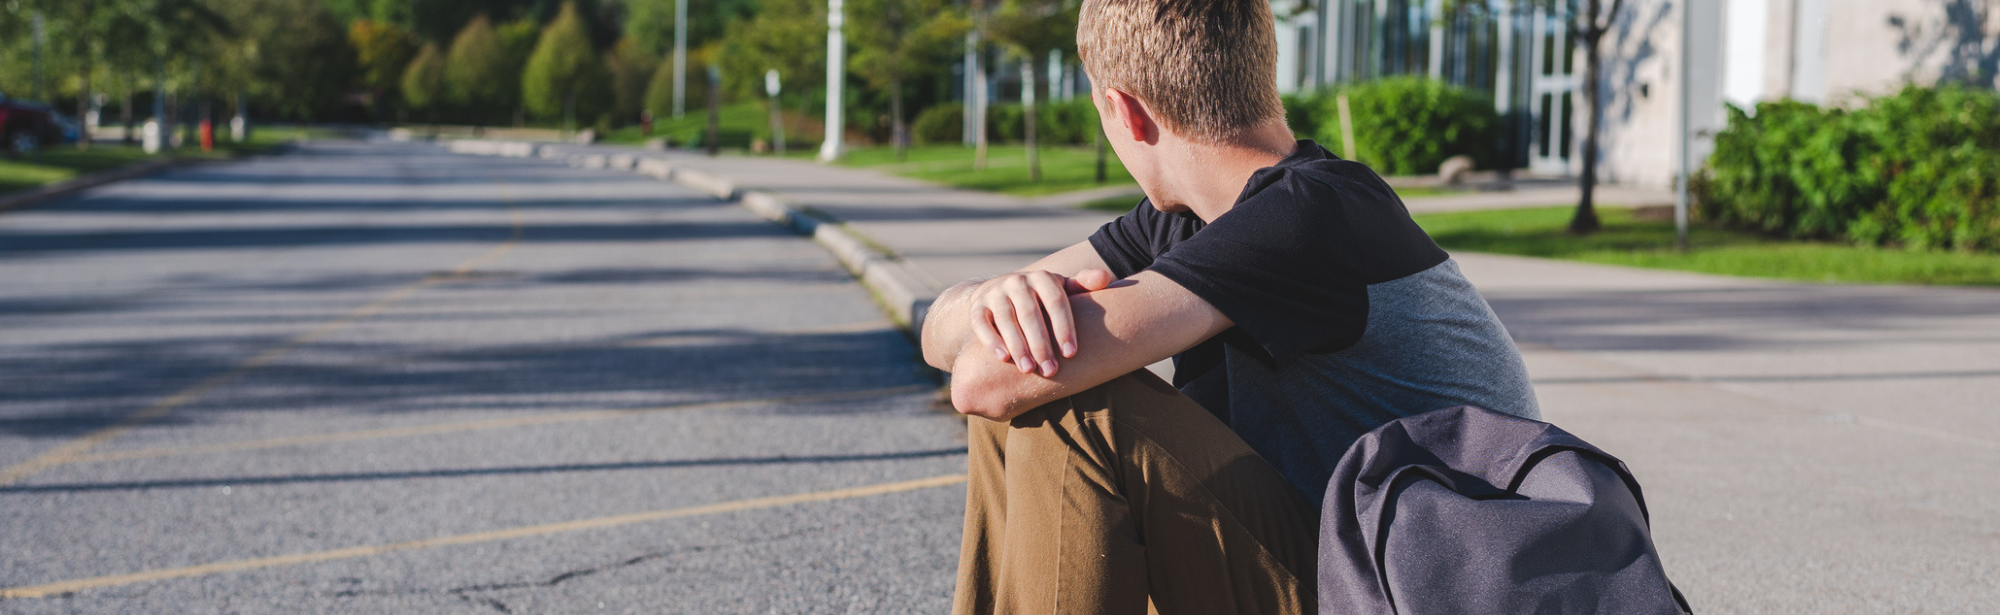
<point>69,451</point>
<point>503,423</point>
<point>74,585</point>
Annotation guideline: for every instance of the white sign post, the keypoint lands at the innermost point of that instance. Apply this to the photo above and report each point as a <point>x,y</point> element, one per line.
<point>777,122</point>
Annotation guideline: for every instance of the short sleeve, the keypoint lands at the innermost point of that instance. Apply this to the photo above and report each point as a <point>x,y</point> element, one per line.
<point>1130,243</point>
<point>1275,266</point>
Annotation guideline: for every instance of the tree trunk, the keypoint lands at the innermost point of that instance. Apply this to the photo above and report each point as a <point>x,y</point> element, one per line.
<point>898,132</point>
<point>83,92</point>
<point>1585,221</point>
<point>1028,116</point>
<point>979,112</point>
<point>125,109</point>
<point>1098,136</point>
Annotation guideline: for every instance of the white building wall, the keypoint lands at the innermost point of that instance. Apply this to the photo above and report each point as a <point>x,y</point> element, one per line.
<point>1641,90</point>
<point>1876,46</point>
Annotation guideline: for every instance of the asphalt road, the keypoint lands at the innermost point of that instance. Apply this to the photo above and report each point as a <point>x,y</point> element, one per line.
<point>381,378</point>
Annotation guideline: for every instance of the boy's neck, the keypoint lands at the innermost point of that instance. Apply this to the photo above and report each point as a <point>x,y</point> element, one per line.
<point>1207,178</point>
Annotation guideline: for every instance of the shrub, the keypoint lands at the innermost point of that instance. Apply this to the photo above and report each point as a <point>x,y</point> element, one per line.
<point>1062,123</point>
<point>1402,125</point>
<point>940,124</point>
<point>1919,168</point>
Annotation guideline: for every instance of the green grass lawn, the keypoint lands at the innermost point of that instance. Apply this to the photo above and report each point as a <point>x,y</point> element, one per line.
<point>736,125</point>
<point>61,162</point>
<point>1064,168</point>
<point>1626,240</point>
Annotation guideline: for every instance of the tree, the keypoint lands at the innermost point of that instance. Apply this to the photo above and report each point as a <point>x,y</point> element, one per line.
<point>1589,22</point>
<point>519,38</point>
<point>631,69</point>
<point>382,51</point>
<point>293,56</point>
<point>788,36</point>
<point>898,40</point>
<point>479,75</point>
<point>423,81</point>
<point>564,71</point>
<point>1032,29</point>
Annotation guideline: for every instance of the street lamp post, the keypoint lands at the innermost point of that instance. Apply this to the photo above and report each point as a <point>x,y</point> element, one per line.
<point>680,57</point>
<point>1681,133</point>
<point>836,60</point>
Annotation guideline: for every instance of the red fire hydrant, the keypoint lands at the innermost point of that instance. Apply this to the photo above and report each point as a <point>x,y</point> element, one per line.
<point>646,122</point>
<point>207,135</point>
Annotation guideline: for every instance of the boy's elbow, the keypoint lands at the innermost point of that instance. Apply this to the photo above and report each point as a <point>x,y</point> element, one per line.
<point>981,392</point>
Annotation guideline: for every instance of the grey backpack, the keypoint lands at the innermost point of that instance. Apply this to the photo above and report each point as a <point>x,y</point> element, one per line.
<point>1466,510</point>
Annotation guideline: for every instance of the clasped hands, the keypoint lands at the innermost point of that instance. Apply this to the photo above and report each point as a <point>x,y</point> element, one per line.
<point>1025,317</point>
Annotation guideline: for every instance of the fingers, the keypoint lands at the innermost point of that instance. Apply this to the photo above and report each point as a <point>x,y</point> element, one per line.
<point>1008,326</point>
<point>1094,279</point>
<point>1040,357</point>
<point>982,328</point>
<point>1025,318</point>
<point>1048,288</point>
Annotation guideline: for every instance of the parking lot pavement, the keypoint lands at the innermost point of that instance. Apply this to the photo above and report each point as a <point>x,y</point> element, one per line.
<point>1805,448</point>
<point>380,378</point>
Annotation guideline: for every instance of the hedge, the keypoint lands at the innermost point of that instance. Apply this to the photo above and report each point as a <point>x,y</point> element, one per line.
<point>1919,169</point>
<point>1402,125</point>
<point>1063,123</point>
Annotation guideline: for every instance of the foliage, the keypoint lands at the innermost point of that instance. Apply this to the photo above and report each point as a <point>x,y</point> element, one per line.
<point>564,68</point>
<point>423,81</point>
<point>660,91</point>
<point>297,55</point>
<point>1402,125</point>
<point>902,40</point>
<point>1632,240</point>
<point>1032,29</point>
<point>942,123</point>
<point>1072,122</point>
<point>788,36</point>
<point>1919,168</point>
<point>650,23</point>
<point>631,69</point>
<point>383,51</point>
<point>479,75</point>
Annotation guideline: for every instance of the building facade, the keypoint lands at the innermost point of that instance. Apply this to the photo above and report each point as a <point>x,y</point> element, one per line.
<point>1735,52</point>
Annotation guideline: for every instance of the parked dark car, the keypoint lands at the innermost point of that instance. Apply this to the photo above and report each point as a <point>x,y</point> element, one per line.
<point>25,126</point>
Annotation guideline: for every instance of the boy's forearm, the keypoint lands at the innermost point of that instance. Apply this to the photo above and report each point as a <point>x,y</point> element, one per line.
<point>946,331</point>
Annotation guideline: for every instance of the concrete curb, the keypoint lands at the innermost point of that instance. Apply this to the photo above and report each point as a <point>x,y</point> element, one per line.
<point>903,293</point>
<point>85,182</point>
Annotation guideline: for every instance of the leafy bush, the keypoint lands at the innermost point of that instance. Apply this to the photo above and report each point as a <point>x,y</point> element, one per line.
<point>1062,123</point>
<point>1402,125</point>
<point>1919,168</point>
<point>944,123</point>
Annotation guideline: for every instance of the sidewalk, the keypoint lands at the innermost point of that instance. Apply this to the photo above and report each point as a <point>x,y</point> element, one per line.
<point>1804,448</point>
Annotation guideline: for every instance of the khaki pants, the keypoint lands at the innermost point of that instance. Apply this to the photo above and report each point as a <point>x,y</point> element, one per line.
<point>1126,493</point>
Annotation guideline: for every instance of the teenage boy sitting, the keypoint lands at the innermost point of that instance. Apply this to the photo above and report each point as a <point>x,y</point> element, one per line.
<point>1302,308</point>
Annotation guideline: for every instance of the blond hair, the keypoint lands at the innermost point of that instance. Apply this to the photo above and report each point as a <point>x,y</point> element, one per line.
<point>1207,68</point>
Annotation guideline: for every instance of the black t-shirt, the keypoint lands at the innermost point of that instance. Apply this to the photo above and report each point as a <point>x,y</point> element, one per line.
<point>1290,264</point>
<point>1347,315</point>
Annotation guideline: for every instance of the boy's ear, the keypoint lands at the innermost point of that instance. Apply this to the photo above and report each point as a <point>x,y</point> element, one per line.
<point>1129,114</point>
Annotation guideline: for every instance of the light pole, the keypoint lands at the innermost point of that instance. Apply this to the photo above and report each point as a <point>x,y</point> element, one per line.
<point>1681,134</point>
<point>680,57</point>
<point>836,74</point>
